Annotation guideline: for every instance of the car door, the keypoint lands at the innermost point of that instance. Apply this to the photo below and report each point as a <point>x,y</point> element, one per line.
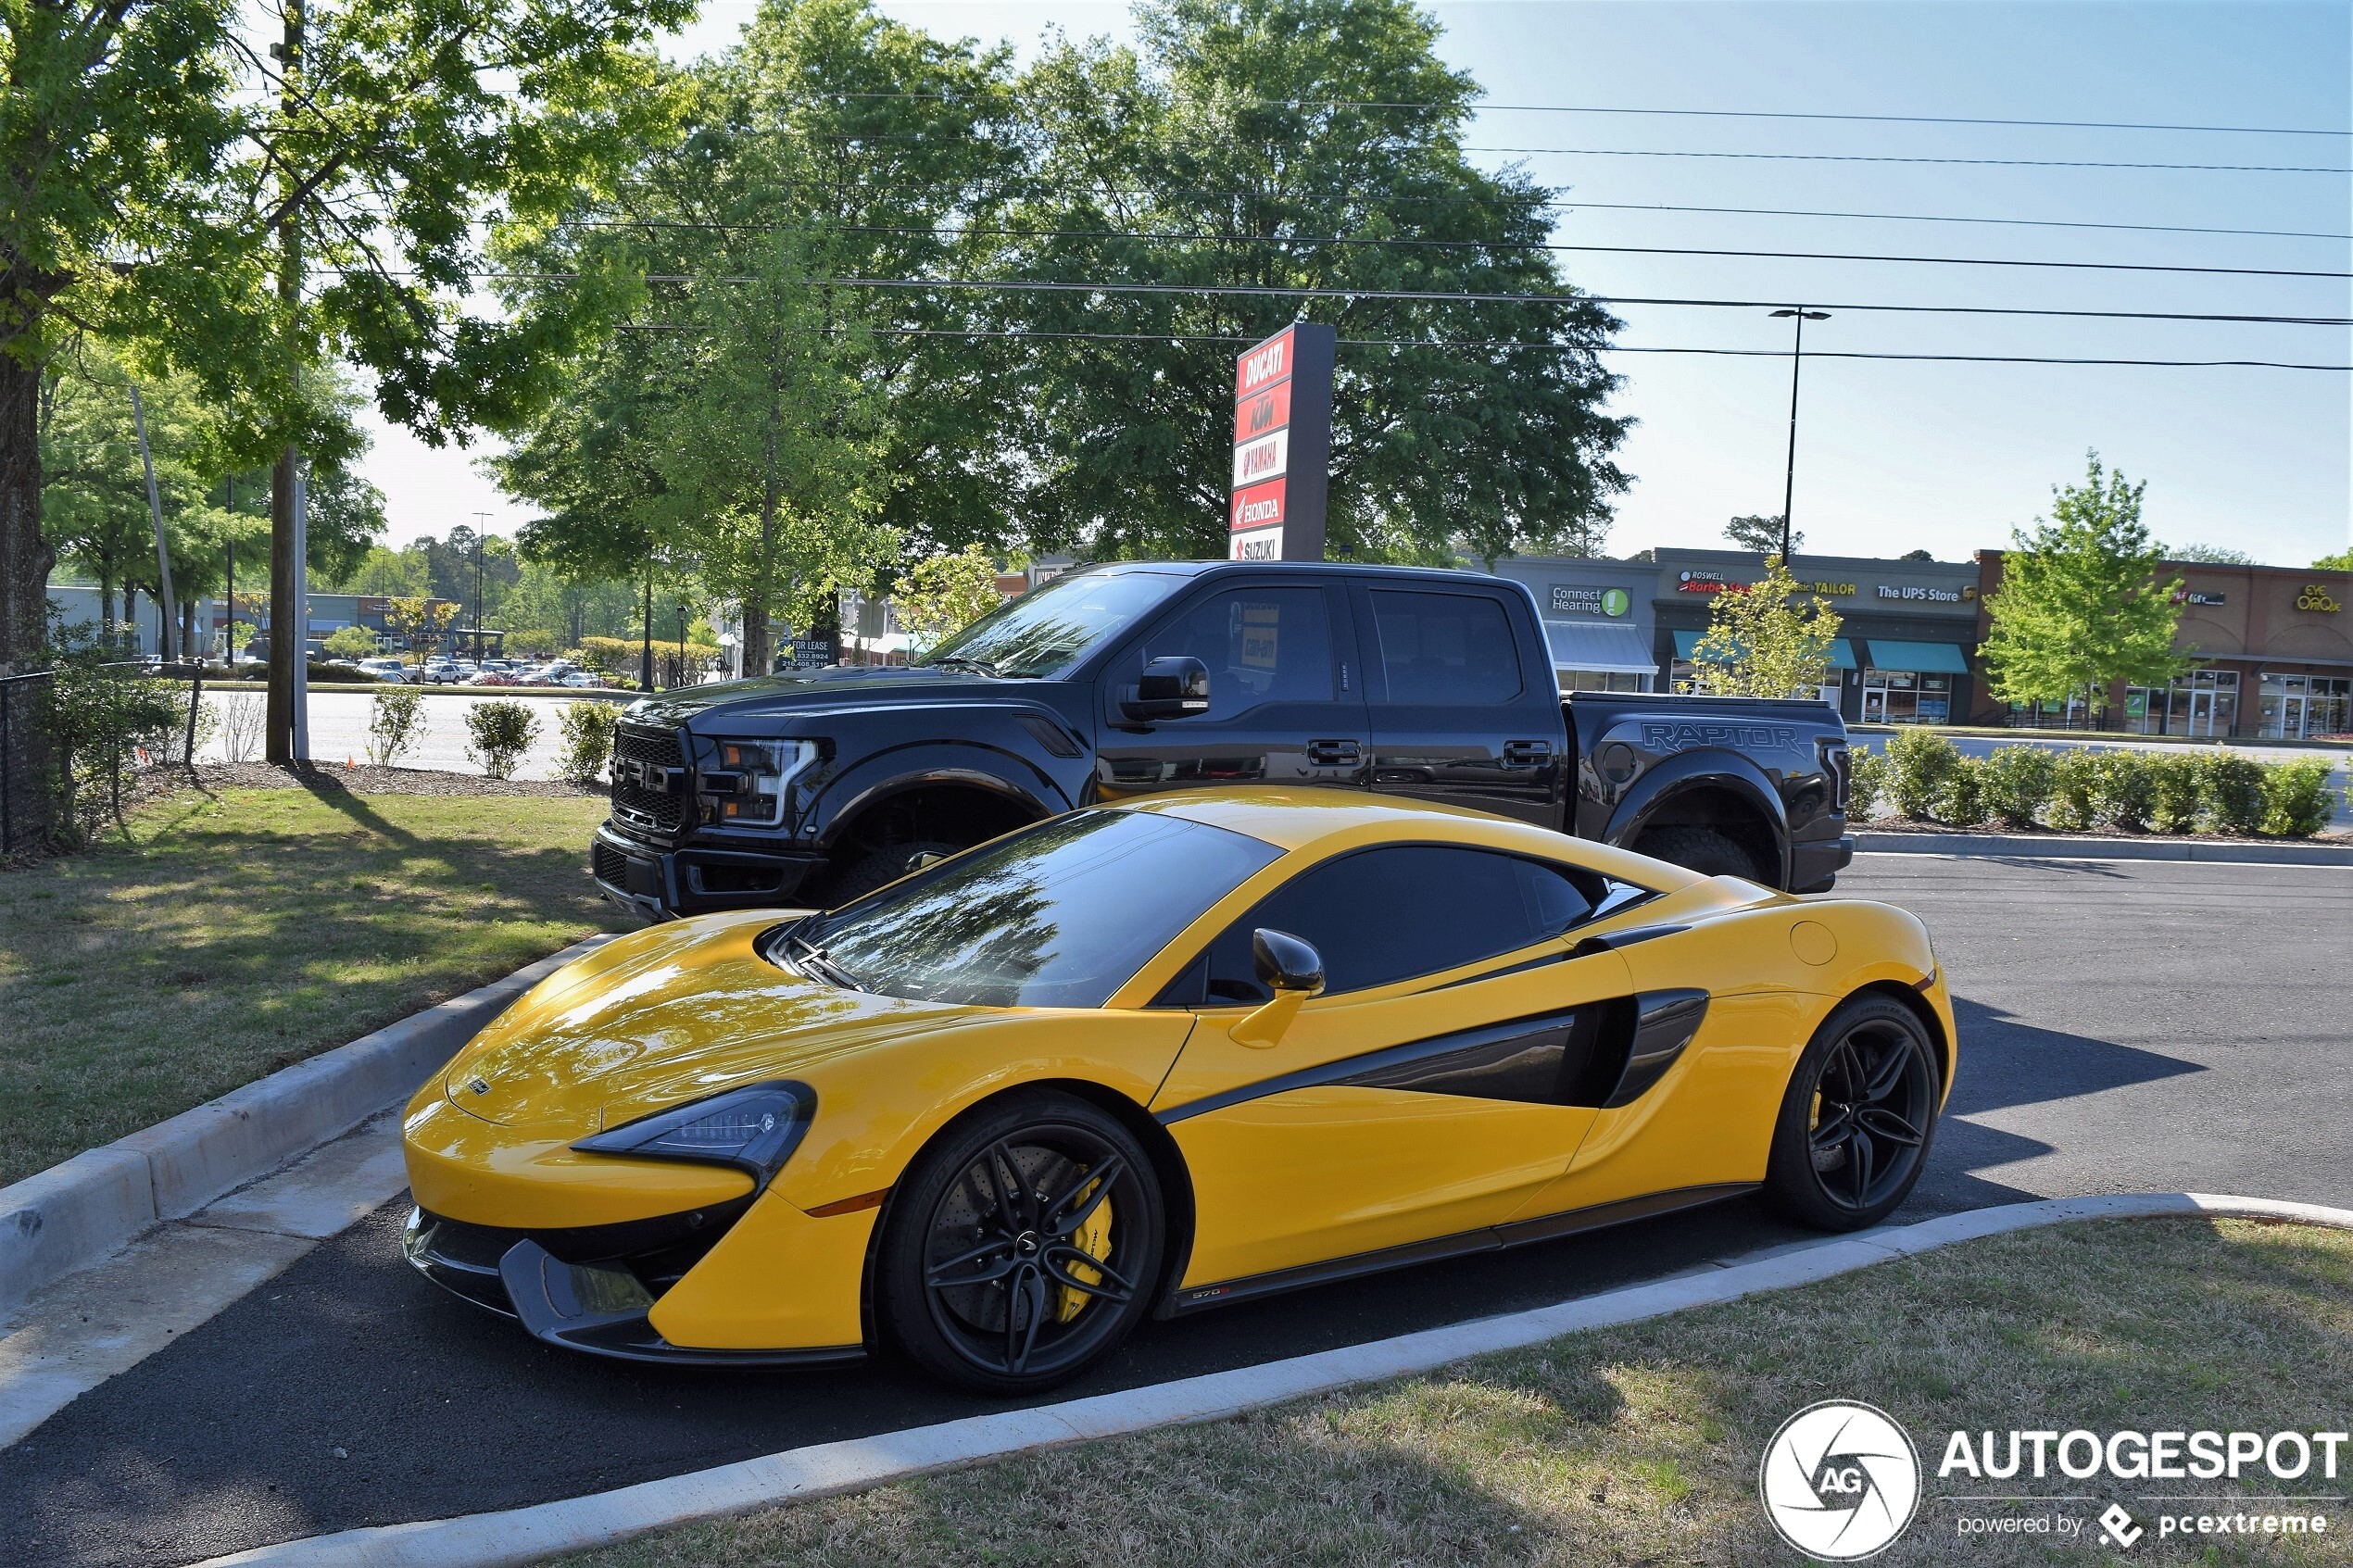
<point>1455,716</point>
<point>1284,703</point>
<point>1440,1081</point>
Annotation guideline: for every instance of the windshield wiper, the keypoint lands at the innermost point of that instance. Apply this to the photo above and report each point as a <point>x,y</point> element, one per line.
<point>944,660</point>
<point>814,961</point>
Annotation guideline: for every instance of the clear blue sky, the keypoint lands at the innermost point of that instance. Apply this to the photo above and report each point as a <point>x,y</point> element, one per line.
<point>1898,456</point>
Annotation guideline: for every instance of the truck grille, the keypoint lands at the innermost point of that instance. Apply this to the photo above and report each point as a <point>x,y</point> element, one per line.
<point>607,864</point>
<point>648,810</point>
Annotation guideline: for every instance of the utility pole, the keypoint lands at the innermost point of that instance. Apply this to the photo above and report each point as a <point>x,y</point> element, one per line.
<point>288,616</point>
<point>154,516</point>
<point>1796,358</point>
<point>229,626</point>
<point>482,545</point>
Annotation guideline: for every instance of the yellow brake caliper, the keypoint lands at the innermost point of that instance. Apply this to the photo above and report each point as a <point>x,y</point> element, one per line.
<point>1093,1238</point>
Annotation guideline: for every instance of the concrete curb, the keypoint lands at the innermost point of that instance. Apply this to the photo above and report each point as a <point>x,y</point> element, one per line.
<point>72,1214</point>
<point>525,1535</point>
<point>2035,846</point>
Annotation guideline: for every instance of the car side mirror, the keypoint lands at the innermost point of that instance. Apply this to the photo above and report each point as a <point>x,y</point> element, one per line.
<point>1291,968</point>
<point>1172,686</point>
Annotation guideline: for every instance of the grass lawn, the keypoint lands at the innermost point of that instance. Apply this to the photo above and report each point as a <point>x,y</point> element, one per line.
<point>1641,1445</point>
<point>235,933</point>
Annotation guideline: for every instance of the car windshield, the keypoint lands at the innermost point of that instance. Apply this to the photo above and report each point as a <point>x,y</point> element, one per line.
<point>1048,630</point>
<point>1061,914</point>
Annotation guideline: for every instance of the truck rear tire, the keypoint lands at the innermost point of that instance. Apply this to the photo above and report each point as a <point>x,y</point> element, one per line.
<point>1704,850</point>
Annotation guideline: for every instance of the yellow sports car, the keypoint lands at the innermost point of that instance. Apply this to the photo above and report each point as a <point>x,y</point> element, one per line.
<point>1149,1058</point>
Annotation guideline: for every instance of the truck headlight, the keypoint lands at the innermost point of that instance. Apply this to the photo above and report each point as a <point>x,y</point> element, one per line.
<point>755,1129</point>
<point>749,783</point>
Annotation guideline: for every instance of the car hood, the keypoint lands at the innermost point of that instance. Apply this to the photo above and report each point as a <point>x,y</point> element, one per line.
<point>801,689</point>
<point>666,1015</point>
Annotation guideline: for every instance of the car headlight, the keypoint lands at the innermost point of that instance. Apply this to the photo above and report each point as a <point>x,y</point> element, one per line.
<point>754,1129</point>
<point>750,782</point>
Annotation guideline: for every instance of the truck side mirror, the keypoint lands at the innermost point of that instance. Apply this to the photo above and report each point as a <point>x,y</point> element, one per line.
<point>1172,686</point>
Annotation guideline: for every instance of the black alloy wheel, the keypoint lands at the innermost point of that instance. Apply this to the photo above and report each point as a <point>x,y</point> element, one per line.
<point>1860,1114</point>
<point>1022,1247</point>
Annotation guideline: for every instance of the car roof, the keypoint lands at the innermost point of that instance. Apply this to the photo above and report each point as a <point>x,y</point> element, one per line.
<point>1307,818</point>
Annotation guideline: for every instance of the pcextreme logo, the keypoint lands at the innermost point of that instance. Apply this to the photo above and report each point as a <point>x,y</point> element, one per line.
<point>1840,1480</point>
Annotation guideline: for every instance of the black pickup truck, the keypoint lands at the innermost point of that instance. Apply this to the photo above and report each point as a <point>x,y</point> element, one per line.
<point>816,787</point>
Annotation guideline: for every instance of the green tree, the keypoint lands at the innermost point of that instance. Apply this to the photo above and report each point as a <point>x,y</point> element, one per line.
<point>1762,535</point>
<point>350,642</point>
<point>2213,555</point>
<point>392,573</point>
<point>1262,143</point>
<point>942,595</point>
<point>1773,640</point>
<point>2081,606</point>
<point>2341,562</point>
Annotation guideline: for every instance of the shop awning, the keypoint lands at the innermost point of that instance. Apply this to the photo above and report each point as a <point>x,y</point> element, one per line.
<point>1621,650</point>
<point>1927,658</point>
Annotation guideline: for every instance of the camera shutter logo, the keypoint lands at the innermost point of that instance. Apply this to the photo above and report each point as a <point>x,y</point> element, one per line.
<point>1841,1481</point>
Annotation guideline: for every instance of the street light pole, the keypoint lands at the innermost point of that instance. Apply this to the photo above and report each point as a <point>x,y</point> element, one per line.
<point>481,549</point>
<point>1796,358</point>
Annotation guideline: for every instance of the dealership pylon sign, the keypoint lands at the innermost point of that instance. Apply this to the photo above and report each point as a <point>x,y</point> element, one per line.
<point>1282,445</point>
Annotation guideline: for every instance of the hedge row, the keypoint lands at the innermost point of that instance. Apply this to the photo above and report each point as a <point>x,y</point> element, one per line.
<point>2131,789</point>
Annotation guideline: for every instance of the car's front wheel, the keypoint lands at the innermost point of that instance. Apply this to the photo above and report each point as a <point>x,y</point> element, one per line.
<point>1022,1246</point>
<point>1859,1116</point>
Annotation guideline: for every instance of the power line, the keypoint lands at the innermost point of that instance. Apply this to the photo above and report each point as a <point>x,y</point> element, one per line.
<point>1434,296</point>
<point>1460,244</point>
<point>1881,158</point>
<point>1538,344</point>
<point>1939,218</point>
<point>1710,113</point>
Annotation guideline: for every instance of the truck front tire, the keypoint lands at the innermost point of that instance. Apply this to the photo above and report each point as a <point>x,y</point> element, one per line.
<point>1704,850</point>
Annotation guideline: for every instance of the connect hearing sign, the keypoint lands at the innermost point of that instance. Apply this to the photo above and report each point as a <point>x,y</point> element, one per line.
<point>1282,445</point>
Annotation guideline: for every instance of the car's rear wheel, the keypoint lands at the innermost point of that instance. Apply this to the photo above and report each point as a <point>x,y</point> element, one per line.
<point>1022,1246</point>
<point>1858,1119</point>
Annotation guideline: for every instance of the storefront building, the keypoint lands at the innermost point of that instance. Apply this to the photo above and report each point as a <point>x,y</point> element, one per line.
<point>1907,634</point>
<point>1597,619</point>
<point>2271,650</point>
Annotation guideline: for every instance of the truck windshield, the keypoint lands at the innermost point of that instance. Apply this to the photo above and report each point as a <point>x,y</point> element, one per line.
<point>1061,914</point>
<point>1048,630</point>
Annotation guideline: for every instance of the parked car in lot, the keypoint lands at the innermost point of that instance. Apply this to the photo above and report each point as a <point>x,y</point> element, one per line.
<point>579,678</point>
<point>1125,680</point>
<point>1149,1058</point>
<point>390,670</point>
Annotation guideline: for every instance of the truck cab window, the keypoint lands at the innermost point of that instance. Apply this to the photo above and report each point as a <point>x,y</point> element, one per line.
<point>1260,645</point>
<point>1446,649</point>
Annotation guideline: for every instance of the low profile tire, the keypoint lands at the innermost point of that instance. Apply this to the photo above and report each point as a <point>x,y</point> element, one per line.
<point>1022,1246</point>
<point>1704,850</point>
<point>885,866</point>
<point>1860,1116</point>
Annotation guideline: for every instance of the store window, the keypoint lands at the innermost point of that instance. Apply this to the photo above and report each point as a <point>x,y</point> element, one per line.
<point>2203,702</point>
<point>2297,707</point>
<point>1601,681</point>
<point>1907,697</point>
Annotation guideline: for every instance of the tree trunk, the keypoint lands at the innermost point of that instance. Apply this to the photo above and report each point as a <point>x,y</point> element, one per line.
<point>25,561</point>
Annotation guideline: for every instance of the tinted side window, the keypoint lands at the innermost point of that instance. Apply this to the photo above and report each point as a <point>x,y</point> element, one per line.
<point>1445,648</point>
<point>1384,915</point>
<point>1262,645</point>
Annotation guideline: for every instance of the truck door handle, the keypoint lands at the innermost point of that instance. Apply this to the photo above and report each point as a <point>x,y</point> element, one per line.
<point>1526,753</point>
<point>1334,753</point>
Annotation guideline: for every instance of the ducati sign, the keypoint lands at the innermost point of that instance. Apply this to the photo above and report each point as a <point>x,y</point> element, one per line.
<point>1283,445</point>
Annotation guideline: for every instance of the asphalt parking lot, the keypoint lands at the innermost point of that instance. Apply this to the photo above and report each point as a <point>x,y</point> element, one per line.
<point>2126,1026</point>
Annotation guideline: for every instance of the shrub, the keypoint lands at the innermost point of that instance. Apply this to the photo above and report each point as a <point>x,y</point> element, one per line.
<point>2074,779</point>
<point>501,732</point>
<point>1917,764</point>
<point>242,714</point>
<point>2015,784</point>
<point>1962,793</point>
<point>2230,793</point>
<point>350,641</point>
<point>1865,783</point>
<point>2173,789</point>
<point>2298,801</point>
<point>2122,790</point>
<point>587,725</point>
<point>100,717</point>
<point>395,723</point>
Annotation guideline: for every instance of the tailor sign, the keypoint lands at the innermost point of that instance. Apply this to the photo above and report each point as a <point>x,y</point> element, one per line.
<point>1283,445</point>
